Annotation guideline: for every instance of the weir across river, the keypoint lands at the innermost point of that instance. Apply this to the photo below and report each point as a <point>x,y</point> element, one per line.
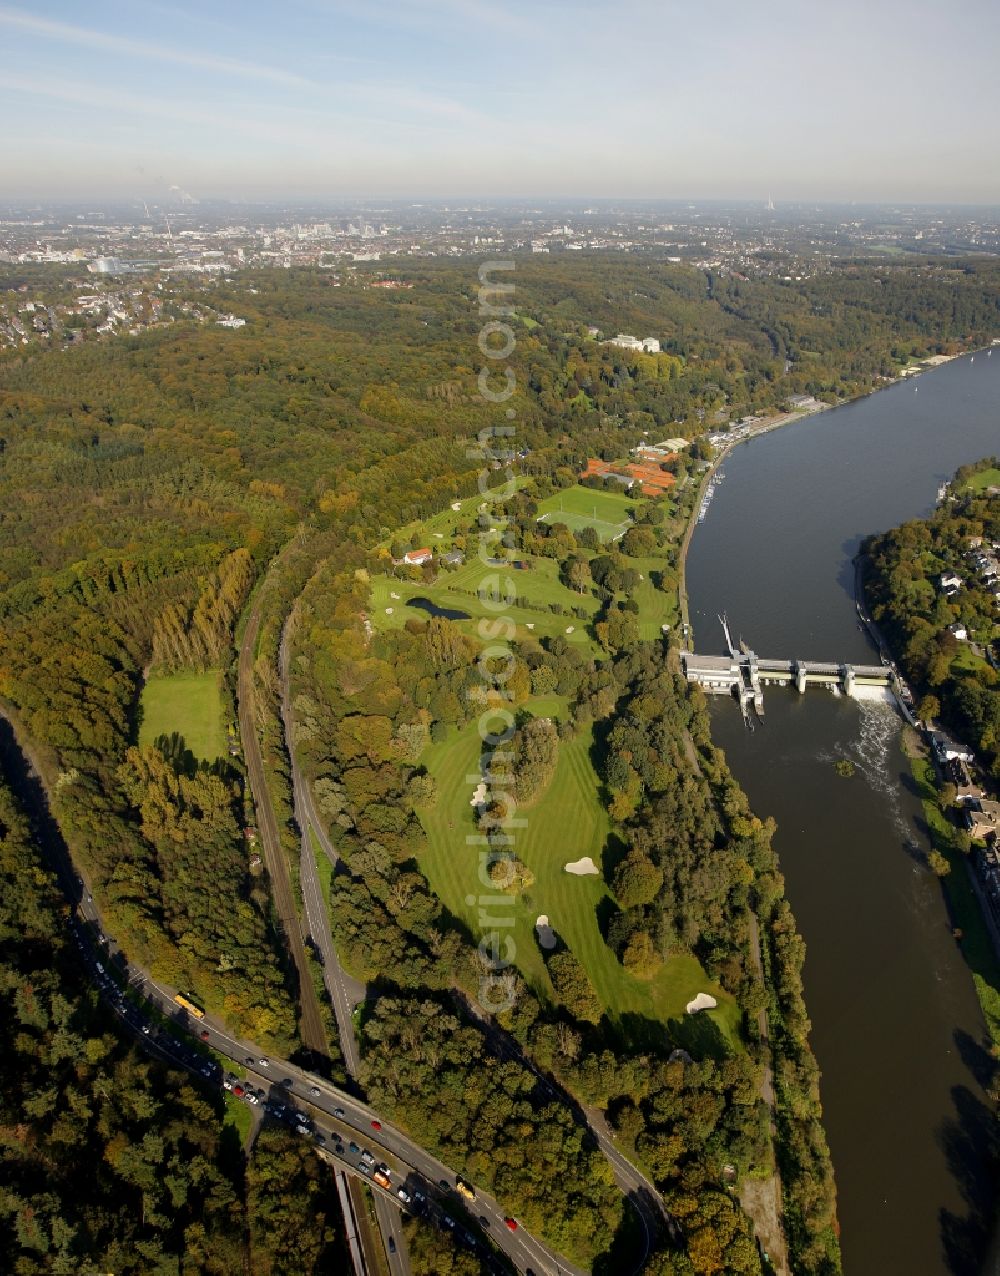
<point>743,674</point>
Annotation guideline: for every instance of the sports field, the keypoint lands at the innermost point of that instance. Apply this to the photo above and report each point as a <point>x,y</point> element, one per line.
<point>568,822</point>
<point>188,703</point>
<point>578,507</point>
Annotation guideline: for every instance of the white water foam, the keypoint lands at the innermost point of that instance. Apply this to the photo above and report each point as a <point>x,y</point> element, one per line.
<point>871,750</point>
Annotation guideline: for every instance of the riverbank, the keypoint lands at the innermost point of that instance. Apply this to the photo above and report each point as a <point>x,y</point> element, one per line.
<point>974,929</point>
<point>930,364</point>
<point>898,1027</point>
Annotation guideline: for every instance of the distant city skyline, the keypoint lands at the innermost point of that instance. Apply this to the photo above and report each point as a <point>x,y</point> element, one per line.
<point>340,99</point>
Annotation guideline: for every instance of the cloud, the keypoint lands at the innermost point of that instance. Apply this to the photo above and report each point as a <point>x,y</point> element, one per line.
<point>18,20</point>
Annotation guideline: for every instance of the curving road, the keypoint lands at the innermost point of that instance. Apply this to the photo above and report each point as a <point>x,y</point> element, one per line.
<point>311,1023</point>
<point>334,1116</point>
<point>346,992</point>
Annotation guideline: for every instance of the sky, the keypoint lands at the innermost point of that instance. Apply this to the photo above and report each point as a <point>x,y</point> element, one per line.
<point>345,99</point>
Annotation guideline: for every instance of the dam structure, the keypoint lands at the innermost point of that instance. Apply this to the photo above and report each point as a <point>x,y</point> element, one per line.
<point>744,675</point>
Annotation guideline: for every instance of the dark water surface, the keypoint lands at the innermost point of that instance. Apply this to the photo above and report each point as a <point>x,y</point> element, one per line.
<point>897,1028</point>
<point>432,609</point>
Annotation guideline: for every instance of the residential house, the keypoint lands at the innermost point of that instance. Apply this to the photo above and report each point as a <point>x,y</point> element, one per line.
<point>959,631</point>
<point>982,819</point>
<point>945,749</point>
<point>417,557</point>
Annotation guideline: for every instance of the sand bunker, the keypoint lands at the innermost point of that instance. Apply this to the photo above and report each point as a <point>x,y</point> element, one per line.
<point>546,935</point>
<point>388,611</point>
<point>394,596</point>
<point>581,867</point>
<point>569,629</point>
<point>702,1002</point>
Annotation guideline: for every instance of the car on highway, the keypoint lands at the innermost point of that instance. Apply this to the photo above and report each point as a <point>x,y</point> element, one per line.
<point>315,1091</point>
<point>376,1125</point>
<point>511,1223</point>
<point>392,1245</point>
<point>339,1112</point>
<point>403,1195</point>
<point>262,1062</point>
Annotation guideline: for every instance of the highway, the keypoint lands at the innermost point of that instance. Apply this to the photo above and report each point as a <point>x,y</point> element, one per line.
<point>311,1023</point>
<point>332,1111</point>
<point>346,992</point>
<point>332,1114</point>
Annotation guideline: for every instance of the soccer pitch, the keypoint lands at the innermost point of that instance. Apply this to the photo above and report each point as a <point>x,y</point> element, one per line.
<point>606,531</point>
<point>578,507</point>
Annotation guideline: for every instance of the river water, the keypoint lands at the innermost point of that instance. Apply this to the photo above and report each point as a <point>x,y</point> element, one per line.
<point>897,1028</point>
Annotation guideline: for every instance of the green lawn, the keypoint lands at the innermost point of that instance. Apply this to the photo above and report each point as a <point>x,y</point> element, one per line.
<point>967,662</point>
<point>189,703</point>
<point>566,823</point>
<point>458,591</point>
<point>324,869</point>
<point>984,479</point>
<point>578,507</point>
<point>239,1116</point>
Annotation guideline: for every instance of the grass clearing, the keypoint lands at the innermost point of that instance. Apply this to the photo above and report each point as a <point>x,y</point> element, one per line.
<point>456,593</point>
<point>324,869</point>
<point>568,822</point>
<point>238,1116</point>
<point>578,507</point>
<point>984,479</point>
<point>188,703</point>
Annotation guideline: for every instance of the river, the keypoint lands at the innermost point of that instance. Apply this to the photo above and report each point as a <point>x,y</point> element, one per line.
<point>897,1028</point>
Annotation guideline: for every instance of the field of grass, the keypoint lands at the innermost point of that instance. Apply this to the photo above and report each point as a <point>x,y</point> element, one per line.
<point>984,479</point>
<point>579,507</point>
<point>967,662</point>
<point>324,869</point>
<point>438,531</point>
<point>239,1116</point>
<point>457,591</point>
<point>566,823</point>
<point>189,703</point>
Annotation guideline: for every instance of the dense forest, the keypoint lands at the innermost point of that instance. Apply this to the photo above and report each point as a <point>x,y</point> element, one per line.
<point>163,1184</point>
<point>145,484</point>
<point>958,677</point>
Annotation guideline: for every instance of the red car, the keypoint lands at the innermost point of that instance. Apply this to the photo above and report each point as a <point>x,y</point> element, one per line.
<point>376,1125</point>
<point>511,1223</point>
<point>204,1035</point>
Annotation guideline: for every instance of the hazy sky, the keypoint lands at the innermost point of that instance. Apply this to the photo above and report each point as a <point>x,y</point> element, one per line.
<point>877,99</point>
